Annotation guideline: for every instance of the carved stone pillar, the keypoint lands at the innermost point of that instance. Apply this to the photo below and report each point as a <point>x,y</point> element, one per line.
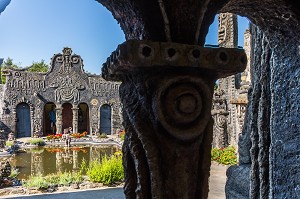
<point>75,118</point>
<point>166,93</point>
<point>58,118</point>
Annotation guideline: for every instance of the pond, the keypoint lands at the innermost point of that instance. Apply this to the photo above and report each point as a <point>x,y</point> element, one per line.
<point>47,160</point>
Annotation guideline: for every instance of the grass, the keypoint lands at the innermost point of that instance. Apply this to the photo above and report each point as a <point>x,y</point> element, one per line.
<point>108,171</point>
<point>9,143</point>
<point>36,141</point>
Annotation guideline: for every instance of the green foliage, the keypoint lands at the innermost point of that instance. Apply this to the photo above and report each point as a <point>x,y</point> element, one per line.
<point>59,178</point>
<point>68,178</point>
<point>83,167</point>
<point>38,67</point>
<point>102,135</point>
<point>38,182</point>
<point>37,141</point>
<point>227,156</point>
<point>109,171</point>
<point>8,63</point>
<point>9,143</point>
<point>14,172</point>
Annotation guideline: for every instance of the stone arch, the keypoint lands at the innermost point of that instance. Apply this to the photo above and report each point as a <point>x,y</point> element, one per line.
<point>31,108</point>
<point>48,115</point>
<point>67,116</point>
<point>83,117</point>
<point>23,124</point>
<point>106,119</point>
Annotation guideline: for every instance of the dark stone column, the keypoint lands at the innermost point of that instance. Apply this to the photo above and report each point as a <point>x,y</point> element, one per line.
<point>166,93</point>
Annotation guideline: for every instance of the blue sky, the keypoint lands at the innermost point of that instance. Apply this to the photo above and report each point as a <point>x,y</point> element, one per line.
<point>32,30</point>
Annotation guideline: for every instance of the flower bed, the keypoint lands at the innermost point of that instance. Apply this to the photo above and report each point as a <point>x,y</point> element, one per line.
<point>226,156</point>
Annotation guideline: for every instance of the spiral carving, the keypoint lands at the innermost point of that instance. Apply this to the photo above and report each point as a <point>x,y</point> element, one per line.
<point>221,121</point>
<point>183,107</point>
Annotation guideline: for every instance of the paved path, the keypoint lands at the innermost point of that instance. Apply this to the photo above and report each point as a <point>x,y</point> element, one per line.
<point>217,181</point>
<point>217,184</point>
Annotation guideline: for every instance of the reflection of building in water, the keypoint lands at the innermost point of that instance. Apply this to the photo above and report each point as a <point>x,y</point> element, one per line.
<point>67,156</point>
<point>97,152</point>
<point>37,167</point>
<point>75,160</point>
<point>82,101</point>
<point>59,161</point>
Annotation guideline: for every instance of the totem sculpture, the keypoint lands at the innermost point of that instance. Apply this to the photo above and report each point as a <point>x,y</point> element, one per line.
<point>167,91</point>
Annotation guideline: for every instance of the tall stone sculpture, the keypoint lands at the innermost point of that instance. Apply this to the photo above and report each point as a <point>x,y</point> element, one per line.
<point>230,99</point>
<point>166,93</point>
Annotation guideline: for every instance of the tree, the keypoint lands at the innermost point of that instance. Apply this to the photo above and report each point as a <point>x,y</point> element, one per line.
<point>38,67</point>
<point>8,63</point>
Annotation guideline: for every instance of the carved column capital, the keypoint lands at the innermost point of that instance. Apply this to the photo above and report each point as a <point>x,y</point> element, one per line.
<point>166,93</point>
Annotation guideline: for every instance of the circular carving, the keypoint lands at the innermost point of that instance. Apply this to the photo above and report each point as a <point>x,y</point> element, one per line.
<point>222,57</point>
<point>183,107</point>
<point>94,102</point>
<point>196,53</point>
<point>221,121</point>
<point>146,52</point>
<point>171,52</point>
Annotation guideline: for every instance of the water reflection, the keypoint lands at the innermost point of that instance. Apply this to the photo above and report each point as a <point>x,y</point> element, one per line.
<point>48,160</point>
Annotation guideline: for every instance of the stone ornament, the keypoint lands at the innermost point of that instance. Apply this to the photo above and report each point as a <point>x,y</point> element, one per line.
<point>189,112</point>
<point>166,92</point>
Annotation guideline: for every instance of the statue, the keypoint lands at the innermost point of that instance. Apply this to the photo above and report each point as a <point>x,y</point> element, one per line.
<point>52,115</point>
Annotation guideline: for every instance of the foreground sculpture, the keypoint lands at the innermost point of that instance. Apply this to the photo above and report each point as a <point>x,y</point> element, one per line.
<point>271,131</point>
<point>166,93</point>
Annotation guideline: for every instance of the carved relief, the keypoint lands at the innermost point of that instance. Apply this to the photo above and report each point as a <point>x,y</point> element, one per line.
<point>227,31</point>
<point>65,81</point>
<point>67,88</point>
<point>102,88</point>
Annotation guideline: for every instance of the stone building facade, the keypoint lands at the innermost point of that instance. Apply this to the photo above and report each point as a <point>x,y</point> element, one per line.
<point>230,99</point>
<point>79,100</point>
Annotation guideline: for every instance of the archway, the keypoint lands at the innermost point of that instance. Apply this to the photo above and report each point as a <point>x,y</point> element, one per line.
<point>23,120</point>
<point>105,119</point>
<point>83,118</point>
<point>67,116</point>
<point>48,129</point>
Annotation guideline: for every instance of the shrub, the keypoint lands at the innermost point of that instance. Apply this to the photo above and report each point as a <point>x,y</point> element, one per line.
<point>68,178</point>
<point>9,143</point>
<point>102,135</point>
<point>109,171</point>
<point>14,172</point>
<point>65,178</point>
<point>122,134</point>
<point>37,141</point>
<point>38,182</point>
<point>226,156</point>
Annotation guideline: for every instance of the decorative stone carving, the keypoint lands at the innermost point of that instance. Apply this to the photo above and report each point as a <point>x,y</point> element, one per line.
<point>166,112</point>
<point>65,82</point>
<point>233,88</point>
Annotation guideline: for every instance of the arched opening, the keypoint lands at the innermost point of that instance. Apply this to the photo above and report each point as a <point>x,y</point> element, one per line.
<point>49,119</point>
<point>83,118</point>
<point>67,116</point>
<point>23,120</point>
<point>105,119</point>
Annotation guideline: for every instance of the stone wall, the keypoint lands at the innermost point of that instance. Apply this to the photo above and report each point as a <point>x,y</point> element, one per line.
<point>65,82</point>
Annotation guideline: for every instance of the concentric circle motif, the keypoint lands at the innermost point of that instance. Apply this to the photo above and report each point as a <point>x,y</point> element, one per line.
<point>183,106</point>
<point>221,121</point>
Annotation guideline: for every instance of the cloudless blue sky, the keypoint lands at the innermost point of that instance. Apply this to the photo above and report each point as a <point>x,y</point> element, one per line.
<point>32,30</point>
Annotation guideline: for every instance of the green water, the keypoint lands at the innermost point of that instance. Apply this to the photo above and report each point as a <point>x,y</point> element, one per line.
<point>46,160</point>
